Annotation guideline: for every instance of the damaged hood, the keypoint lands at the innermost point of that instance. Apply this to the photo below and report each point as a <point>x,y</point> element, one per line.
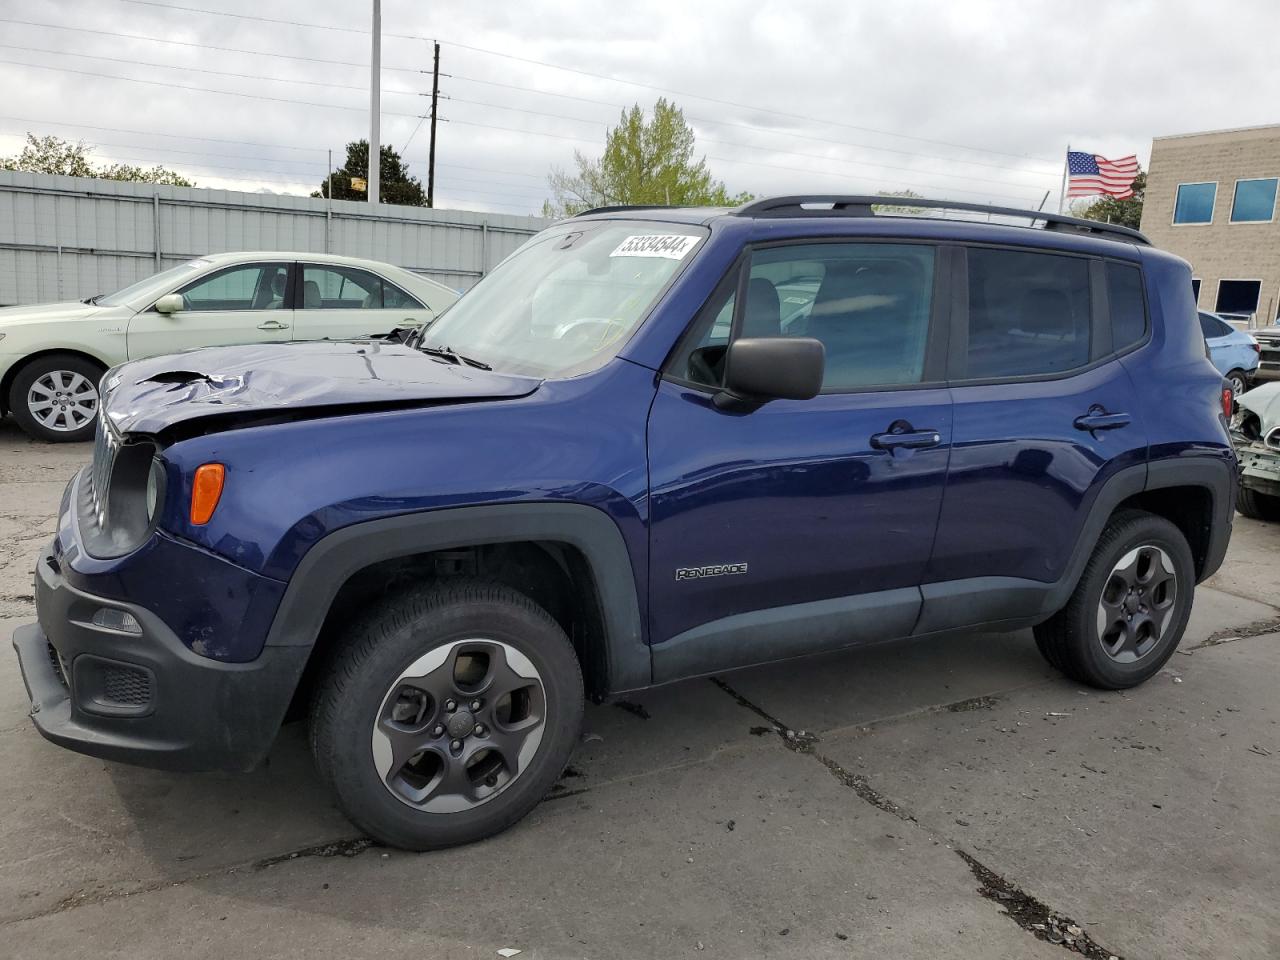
<point>1264,400</point>
<point>148,396</point>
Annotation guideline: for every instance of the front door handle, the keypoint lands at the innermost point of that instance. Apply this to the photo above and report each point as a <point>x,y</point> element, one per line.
<point>903,436</point>
<point>273,325</point>
<point>1098,419</point>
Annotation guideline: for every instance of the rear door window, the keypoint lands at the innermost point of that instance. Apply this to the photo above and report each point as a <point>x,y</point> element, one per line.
<point>1029,314</point>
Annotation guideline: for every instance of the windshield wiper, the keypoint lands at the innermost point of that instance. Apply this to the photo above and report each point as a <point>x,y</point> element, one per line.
<point>449,354</point>
<point>92,300</point>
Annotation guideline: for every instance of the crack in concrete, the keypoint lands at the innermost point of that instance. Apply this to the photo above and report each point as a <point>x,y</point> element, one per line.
<point>345,847</point>
<point>1031,914</point>
<point>1257,628</point>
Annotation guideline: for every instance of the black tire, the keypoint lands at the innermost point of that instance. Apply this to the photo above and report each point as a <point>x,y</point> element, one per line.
<point>355,690</point>
<point>1257,506</point>
<point>52,364</point>
<point>1071,641</point>
<point>1239,381</point>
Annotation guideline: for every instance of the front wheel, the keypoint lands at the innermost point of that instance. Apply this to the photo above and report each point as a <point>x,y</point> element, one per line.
<point>447,714</point>
<point>55,397</point>
<point>1130,608</point>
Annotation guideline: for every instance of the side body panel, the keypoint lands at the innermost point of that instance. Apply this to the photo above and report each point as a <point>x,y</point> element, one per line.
<point>795,493</point>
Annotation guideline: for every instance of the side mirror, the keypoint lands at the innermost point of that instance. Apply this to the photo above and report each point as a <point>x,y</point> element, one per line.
<point>771,368</point>
<point>170,303</point>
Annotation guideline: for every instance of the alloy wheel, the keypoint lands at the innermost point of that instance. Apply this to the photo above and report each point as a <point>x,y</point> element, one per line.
<point>459,725</point>
<point>1137,603</point>
<point>62,400</point>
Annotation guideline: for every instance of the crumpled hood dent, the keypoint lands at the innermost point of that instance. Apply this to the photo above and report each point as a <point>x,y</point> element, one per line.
<point>149,396</point>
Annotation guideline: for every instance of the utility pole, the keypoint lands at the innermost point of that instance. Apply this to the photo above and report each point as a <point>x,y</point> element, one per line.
<point>375,82</point>
<point>431,155</point>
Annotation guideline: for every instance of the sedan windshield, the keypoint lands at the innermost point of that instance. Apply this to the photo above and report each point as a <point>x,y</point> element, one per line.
<point>153,286</point>
<point>566,302</point>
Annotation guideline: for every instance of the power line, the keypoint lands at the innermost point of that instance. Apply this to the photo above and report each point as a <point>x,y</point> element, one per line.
<point>149,133</point>
<point>750,146</point>
<point>601,76</point>
<point>745,126</point>
<point>182,86</point>
<point>218,73</point>
<point>530,133</point>
<point>203,46</point>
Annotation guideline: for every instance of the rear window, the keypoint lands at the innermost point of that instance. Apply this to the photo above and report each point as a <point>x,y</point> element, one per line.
<point>1028,313</point>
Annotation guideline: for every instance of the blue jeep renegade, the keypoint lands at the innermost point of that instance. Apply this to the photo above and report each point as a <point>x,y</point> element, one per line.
<point>652,444</point>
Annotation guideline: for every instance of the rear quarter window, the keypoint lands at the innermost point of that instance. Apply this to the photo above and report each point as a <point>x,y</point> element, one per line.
<point>1128,306</point>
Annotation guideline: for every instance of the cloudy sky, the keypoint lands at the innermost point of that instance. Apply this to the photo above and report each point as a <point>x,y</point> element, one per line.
<point>970,100</point>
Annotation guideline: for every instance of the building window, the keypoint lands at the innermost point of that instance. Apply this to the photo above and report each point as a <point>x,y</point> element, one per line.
<point>1238,298</point>
<point>1255,201</point>
<point>1195,288</point>
<point>1194,203</point>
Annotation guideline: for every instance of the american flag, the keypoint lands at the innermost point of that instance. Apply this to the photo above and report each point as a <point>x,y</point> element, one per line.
<point>1090,174</point>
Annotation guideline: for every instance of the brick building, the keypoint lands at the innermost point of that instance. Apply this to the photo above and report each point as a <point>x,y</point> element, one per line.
<point>1211,199</point>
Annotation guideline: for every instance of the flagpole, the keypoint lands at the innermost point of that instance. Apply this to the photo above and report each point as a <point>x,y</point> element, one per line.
<point>1062,195</point>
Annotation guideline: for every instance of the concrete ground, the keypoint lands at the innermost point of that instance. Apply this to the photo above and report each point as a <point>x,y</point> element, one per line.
<point>926,799</point>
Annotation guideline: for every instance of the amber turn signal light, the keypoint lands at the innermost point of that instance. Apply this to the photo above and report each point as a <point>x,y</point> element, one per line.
<point>206,488</point>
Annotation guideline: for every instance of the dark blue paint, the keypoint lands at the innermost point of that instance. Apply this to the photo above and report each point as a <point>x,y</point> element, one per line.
<point>793,489</point>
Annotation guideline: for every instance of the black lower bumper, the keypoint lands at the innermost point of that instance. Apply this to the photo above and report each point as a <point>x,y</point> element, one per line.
<point>132,692</point>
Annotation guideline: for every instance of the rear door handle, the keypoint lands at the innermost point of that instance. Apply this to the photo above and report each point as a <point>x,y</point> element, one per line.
<point>273,325</point>
<point>1098,419</point>
<point>902,436</point>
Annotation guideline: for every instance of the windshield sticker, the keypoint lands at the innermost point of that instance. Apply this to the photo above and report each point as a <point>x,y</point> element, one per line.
<point>671,246</point>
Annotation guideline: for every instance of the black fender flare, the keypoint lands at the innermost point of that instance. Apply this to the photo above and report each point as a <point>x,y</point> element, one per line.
<point>1214,474</point>
<point>336,557</point>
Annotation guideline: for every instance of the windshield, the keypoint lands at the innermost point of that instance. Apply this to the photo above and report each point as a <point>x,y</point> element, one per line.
<point>154,285</point>
<point>566,302</point>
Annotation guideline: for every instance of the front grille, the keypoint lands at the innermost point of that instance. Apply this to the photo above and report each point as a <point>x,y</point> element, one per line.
<point>105,447</point>
<point>125,686</point>
<point>58,666</point>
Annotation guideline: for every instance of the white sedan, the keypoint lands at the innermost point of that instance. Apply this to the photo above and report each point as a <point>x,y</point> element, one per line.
<point>53,355</point>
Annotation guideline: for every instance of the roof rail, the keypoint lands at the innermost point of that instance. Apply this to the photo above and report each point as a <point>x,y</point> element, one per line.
<point>863,206</point>
<point>618,208</point>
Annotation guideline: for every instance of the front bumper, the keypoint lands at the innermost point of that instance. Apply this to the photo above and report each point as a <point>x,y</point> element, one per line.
<point>145,698</point>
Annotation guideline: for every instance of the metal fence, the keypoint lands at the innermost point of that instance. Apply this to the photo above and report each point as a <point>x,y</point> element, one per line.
<point>64,238</point>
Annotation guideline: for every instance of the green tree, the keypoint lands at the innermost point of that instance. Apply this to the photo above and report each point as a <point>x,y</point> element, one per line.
<point>55,155</point>
<point>1127,213</point>
<point>394,186</point>
<point>645,161</point>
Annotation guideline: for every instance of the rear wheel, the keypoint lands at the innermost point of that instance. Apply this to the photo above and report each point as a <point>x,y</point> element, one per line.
<point>1257,506</point>
<point>1130,608</point>
<point>447,715</point>
<point>55,397</point>
<point>1239,382</point>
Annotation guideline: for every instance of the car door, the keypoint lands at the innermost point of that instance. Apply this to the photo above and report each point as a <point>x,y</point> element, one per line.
<point>1045,414</point>
<point>244,303</point>
<point>339,302</point>
<point>800,525</point>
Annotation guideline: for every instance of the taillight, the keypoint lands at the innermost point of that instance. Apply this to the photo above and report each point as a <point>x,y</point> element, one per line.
<point>1257,347</point>
<point>206,488</point>
<point>1228,403</point>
